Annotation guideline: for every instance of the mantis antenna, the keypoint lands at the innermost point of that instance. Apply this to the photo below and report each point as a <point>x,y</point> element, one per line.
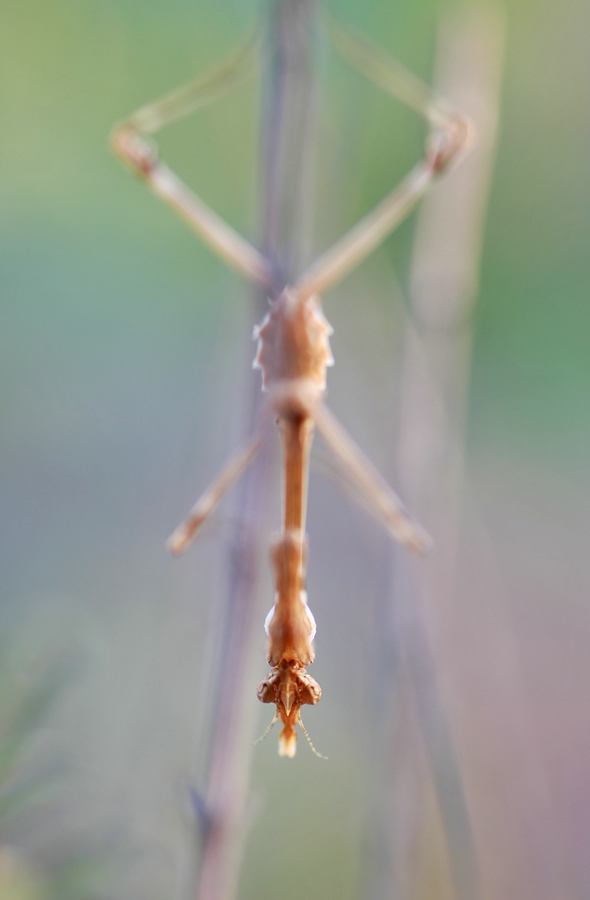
<point>268,730</point>
<point>308,739</point>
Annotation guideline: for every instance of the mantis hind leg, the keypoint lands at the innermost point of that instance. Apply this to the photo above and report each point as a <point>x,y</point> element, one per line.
<point>211,498</point>
<point>130,140</point>
<point>381,497</point>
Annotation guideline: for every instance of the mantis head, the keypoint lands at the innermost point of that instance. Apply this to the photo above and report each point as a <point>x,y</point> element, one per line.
<point>289,686</point>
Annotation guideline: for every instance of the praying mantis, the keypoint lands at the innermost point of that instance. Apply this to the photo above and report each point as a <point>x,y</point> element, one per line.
<point>293,351</point>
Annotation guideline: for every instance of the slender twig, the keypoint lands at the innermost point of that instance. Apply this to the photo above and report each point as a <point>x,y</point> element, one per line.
<point>287,106</point>
<point>469,632</point>
<point>433,391</point>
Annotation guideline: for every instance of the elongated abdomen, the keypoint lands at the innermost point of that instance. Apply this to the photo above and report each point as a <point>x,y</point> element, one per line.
<point>290,625</point>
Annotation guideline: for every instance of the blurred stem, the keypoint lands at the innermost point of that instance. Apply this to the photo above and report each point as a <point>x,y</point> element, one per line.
<point>430,824</point>
<point>288,112</point>
<point>465,623</point>
<point>289,118</point>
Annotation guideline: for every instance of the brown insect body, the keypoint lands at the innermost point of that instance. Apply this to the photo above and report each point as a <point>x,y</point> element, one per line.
<point>293,341</point>
<point>293,354</point>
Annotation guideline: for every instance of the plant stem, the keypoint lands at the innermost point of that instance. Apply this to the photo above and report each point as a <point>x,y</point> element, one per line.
<point>434,389</point>
<point>284,174</point>
<point>423,834</point>
<point>288,130</point>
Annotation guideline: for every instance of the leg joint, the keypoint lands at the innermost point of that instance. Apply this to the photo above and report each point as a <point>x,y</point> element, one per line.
<point>138,153</point>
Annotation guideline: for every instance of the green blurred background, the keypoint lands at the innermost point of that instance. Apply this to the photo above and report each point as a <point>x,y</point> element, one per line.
<point>124,345</point>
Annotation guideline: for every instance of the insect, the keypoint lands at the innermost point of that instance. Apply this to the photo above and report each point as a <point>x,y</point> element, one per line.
<point>293,350</point>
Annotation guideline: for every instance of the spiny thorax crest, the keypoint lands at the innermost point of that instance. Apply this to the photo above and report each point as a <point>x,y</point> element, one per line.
<point>293,342</point>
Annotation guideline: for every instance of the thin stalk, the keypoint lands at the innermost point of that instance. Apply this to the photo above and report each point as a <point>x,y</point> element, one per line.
<point>459,594</point>
<point>287,117</point>
<point>290,104</point>
<point>423,839</point>
<point>437,818</point>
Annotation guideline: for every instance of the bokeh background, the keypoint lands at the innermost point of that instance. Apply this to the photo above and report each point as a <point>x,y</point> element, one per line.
<point>124,348</point>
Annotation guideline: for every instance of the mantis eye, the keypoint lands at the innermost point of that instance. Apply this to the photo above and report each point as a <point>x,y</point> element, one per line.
<point>310,692</point>
<point>266,692</point>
